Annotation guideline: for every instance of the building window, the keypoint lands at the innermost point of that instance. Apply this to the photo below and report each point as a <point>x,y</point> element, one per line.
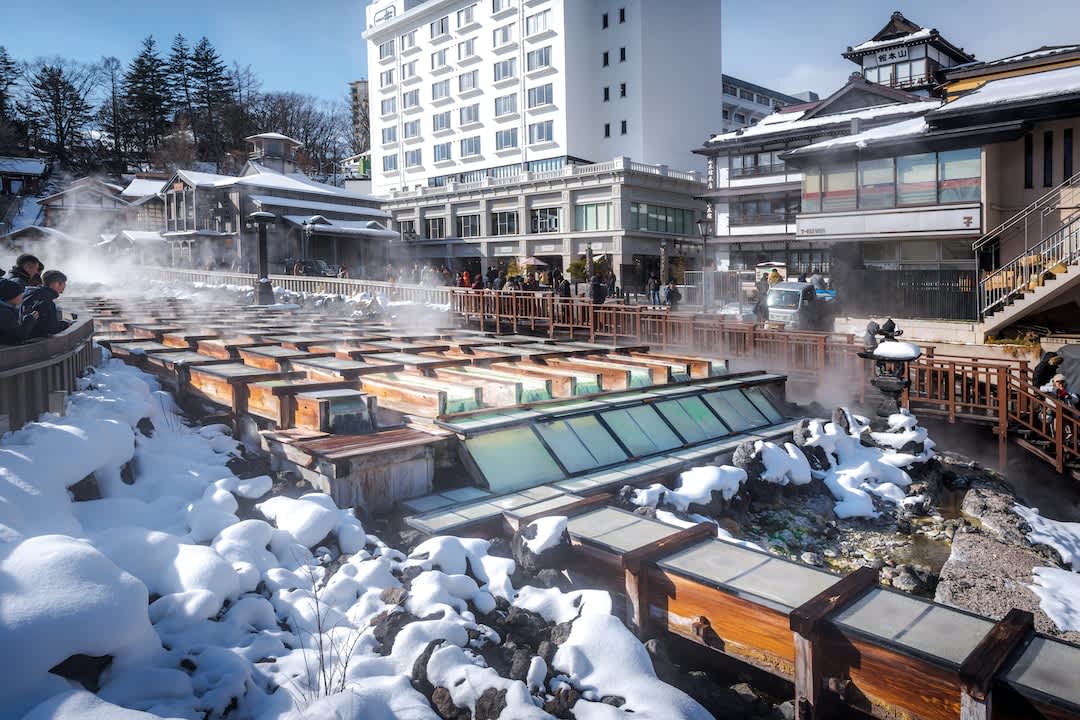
<point>541,95</point>
<point>544,220</point>
<point>468,81</point>
<point>811,191</point>
<point>604,62</point>
<point>1067,157</point>
<point>500,5</point>
<point>470,146</point>
<point>465,16</point>
<point>469,114</point>
<point>504,223</point>
<point>622,127</point>
<point>1048,158</point>
<point>389,134</point>
<point>503,35</point>
<point>761,100</point>
<point>408,70</point>
<point>960,175</point>
<point>386,49</point>
<point>468,226</point>
<point>386,78</point>
<point>731,90</point>
<point>408,41</point>
<point>592,217</point>
<point>506,139</point>
<point>466,49</point>
<point>407,228</point>
<point>506,69</point>
<point>538,59</point>
<point>412,158</point>
<point>436,228</point>
<point>916,179</point>
<point>389,163</point>
<point>622,15</point>
<point>839,188</point>
<point>607,130</point>
<point>440,90</point>
<point>622,89</point>
<point>622,54</point>
<point>506,105</point>
<point>541,132</point>
<point>438,59</point>
<point>726,114</point>
<point>538,23</point>
<point>877,184</point>
<point>440,27</point>
<point>603,21</point>
<point>442,152</point>
<point>411,129</point>
<point>440,121</point>
<point>655,218</point>
<point>410,99</point>
<point>746,95</point>
<point>740,118</point>
<point>607,94</point>
<point>1029,161</point>
<point>388,106</point>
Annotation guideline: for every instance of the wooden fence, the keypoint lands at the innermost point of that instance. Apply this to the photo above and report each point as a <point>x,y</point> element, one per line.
<point>32,372</point>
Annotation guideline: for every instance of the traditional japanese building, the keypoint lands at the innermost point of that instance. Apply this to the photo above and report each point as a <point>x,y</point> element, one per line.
<point>86,208</point>
<point>21,176</point>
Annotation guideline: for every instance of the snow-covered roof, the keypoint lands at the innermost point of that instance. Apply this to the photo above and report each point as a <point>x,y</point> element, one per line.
<point>141,187</point>
<point>1036,86</point>
<point>203,179</point>
<point>904,128</point>
<point>316,207</point>
<point>142,236</point>
<point>364,228</point>
<point>274,136</point>
<point>921,34</point>
<point>782,123</point>
<point>47,231</point>
<point>1037,54</point>
<point>21,166</point>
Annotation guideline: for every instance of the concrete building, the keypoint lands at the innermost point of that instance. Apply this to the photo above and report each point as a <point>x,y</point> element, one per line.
<point>361,114</point>
<point>746,103</point>
<point>468,89</point>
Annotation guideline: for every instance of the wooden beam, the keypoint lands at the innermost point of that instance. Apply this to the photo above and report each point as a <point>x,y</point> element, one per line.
<point>987,658</point>
<point>575,508</point>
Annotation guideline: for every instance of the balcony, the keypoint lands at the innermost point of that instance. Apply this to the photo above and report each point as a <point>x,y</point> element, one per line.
<point>758,171</point>
<point>784,218</point>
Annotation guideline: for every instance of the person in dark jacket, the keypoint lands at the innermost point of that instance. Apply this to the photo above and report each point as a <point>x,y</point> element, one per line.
<point>42,300</point>
<point>563,288</point>
<point>598,290</point>
<point>673,295</point>
<point>1046,369</point>
<point>15,326</point>
<point>27,270</point>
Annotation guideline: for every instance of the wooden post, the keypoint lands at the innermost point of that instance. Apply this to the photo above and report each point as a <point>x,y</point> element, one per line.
<point>635,571</point>
<point>1003,417</point>
<point>806,621</point>
<point>57,401</point>
<point>1059,438</point>
<point>952,393</point>
<point>986,659</point>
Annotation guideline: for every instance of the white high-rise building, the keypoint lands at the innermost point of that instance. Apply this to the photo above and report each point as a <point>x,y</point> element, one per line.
<point>462,90</point>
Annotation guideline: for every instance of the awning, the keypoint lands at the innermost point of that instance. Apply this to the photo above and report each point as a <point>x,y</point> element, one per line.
<point>319,225</point>
<point>312,206</point>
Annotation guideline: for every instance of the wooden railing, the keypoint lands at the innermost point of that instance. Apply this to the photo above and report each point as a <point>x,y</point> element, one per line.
<point>31,373</point>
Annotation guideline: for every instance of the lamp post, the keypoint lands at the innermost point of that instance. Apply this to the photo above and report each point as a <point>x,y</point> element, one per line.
<point>264,293</point>
<point>588,262</point>
<point>705,227</point>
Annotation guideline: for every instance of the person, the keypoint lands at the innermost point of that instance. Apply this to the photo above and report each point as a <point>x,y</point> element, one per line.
<point>478,282</point>
<point>612,286</point>
<point>500,281</point>
<point>598,290</point>
<point>27,270</point>
<point>1058,389</point>
<point>653,288</point>
<point>774,277</point>
<point>817,279</point>
<point>673,296</point>
<point>564,287</point>
<point>298,268</point>
<point>343,272</point>
<point>492,273</point>
<point>15,326</point>
<point>1045,370</point>
<point>802,277</point>
<point>42,300</point>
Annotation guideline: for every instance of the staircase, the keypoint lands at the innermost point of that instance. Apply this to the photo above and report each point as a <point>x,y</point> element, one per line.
<point>1045,271</point>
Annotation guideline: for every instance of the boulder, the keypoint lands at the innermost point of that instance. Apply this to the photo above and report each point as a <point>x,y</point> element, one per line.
<point>748,459</point>
<point>530,562</point>
<point>490,704</point>
<point>560,703</point>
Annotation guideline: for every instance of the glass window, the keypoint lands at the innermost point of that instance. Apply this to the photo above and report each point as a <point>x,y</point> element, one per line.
<point>468,226</point>
<point>465,16</point>
<point>960,175</point>
<point>410,99</point>
<point>413,158</point>
<point>538,59</point>
<point>581,443</point>
<point>440,90</point>
<point>916,179</point>
<point>811,192</point>
<point>470,146</point>
<point>500,5</point>
<point>442,152</point>
<point>504,223</point>
<point>641,430</point>
<point>411,129</point>
<point>692,419</point>
<point>877,185</point>
<point>762,403</point>
<point>499,454</point>
<point>506,139</point>
<point>466,49</point>
<point>388,106</point>
<point>883,251</point>
<point>440,27</point>
<point>592,217</point>
<point>541,95</point>
<point>436,228</point>
<point>389,162</point>
<point>408,41</point>
<point>544,220</point>
<point>386,78</point>
<point>440,121</point>
<point>956,250</point>
<point>538,23</point>
<point>506,69</point>
<point>438,59</point>
<point>389,134</point>
<point>541,132</point>
<point>506,104</point>
<point>470,114</point>
<point>386,49</point>
<point>736,409</point>
<point>839,190</point>
<point>468,81</point>
<point>503,35</point>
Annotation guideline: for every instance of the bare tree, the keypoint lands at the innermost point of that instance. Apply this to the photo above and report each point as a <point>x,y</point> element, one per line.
<point>59,93</point>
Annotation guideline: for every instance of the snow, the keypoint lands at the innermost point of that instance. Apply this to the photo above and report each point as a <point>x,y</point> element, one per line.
<point>1064,537</point>
<point>1059,595</point>
<point>696,486</point>
<point>22,166</point>
<point>1036,86</point>
<point>866,138</point>
<point>920,34</point>
<point>28,214</point>
<point>783,465</point>
<point>142,187</point>
<point>791,121</point>
<point>549,531</point>
<point>895,350</point>
<point>354,210</point>
<point>82,705</point>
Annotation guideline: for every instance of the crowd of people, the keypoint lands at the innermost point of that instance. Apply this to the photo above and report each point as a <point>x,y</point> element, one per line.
<point>28,301</point>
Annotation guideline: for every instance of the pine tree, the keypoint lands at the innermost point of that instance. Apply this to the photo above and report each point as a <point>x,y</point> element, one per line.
<point>181,84</point>
<point>213,90</point>
<point>58,95</point>
<point>9,77</point>
<point>147,93</point>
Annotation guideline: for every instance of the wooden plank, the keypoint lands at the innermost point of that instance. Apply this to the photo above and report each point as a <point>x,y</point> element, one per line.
<point>986,659</point>
<point>806,618</point>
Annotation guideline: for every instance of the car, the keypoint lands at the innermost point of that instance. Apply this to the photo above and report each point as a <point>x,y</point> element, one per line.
<point>312,267</point>
<point>800,306</point>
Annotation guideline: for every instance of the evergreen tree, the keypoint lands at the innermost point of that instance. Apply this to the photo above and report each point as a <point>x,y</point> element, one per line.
<point>213,90</point>
<point>9,77</point>
<point>180,83</point>
<point>59,99</point>
<point>113,115</point>
<point>147,93</point>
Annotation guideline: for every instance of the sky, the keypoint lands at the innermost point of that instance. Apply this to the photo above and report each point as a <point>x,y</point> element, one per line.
<point>315,46</point>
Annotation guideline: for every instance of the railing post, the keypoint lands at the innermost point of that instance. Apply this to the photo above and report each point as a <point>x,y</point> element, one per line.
<point>951,393</point>
<point>1059,438</point>
<point>986,660</point>
<point>1003,416</point>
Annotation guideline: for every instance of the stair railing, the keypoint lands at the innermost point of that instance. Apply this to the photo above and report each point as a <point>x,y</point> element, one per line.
<point>1065,195</point>
<point>1028,270</point>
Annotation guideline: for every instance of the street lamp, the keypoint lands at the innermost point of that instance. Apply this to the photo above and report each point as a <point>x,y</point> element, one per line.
<point>704,227</point>
<point>264,293</point>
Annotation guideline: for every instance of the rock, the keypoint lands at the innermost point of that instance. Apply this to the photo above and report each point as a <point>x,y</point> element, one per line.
<point>387,626</point>
<point>994,511</point>
<point>394,595</point>
<point>145,426</point>
<point>500,547</point>
<point>906,580</point>
<point>546,650</point>
<point>411,573</point>
<point>552,578</point>
<point>560,703</point>
<point>419,675</point>
<point>84,669</point>
<point>85,490</point>
<point>748,459</point>
<point>753,704</point>
<point>613,700</point>
<point>529,562</point>
<point>830,553</point>
<point>490,704</point>
<point>519,665</point>
<point>785,711</point>
<point>525,628</point>
<point>127,472</point>
<point>561,632</point>
<point>818,458</point>
<point>445,707</point>
<point>812,558</point>
<point>661,661</point>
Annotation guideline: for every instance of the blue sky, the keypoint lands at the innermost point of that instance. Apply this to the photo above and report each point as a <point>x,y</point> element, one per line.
<point>315,46</point>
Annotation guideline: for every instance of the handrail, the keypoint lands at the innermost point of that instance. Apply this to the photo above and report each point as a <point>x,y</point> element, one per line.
<point>1043,203</point>
<point>1028,270</point>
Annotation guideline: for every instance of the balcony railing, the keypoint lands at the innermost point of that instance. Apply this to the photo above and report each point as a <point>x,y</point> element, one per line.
<point>758,171</point>
<point>762,219</point>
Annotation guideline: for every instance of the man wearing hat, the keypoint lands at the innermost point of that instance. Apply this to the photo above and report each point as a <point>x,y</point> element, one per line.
<point>1048,366</point>
<point>15,327</point>
<point>1058,389</point>
<point>27,270</point>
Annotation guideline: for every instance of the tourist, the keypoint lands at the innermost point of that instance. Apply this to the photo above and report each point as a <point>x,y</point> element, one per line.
<point>653,288</point>
<point>1058,389</point>
<point>598,290</point>
<point>500,282</point>
<point>42,300</point>
<point>612,285</point>
<point>774,277</point>
<point>672,296</point>
<point>27,271</point>
<point>817,279</point>
<point>343,272</point>
<point>563,288</point>
<point>15,325</point>
<point>1046,369</point>
<point>478,282</point>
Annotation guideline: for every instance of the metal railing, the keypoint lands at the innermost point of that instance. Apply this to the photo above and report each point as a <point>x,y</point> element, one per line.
<point>1029,223</point>
<point>759,170</point>
<point>1030,270</point>
<point>934,294</point>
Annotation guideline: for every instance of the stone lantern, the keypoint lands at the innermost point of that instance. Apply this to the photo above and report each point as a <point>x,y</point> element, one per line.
<point>890,357</point>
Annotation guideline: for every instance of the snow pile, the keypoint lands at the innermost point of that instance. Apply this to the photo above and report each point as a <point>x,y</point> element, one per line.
<point>549,530</point>
<point>856,473</point>
<point>695,486</point>
<point>783,465</point>
<point>1058,590</point>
